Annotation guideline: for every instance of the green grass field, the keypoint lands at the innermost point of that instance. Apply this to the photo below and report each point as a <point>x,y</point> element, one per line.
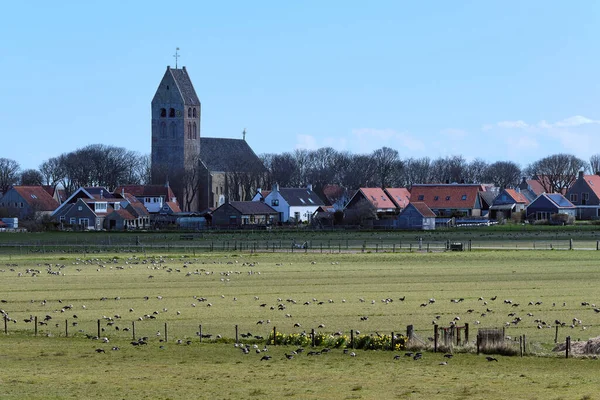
<point>243,288</point>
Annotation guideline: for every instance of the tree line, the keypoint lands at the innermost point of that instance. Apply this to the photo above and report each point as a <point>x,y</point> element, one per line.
<point>110,166</point>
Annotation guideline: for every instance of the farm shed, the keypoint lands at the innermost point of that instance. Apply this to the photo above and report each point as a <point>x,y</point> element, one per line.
<point>585,195</point>
<point>240,213</point>
<point>416,216</point>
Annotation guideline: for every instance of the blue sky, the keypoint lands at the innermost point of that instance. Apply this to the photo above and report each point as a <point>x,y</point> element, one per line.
<point>497,80</point>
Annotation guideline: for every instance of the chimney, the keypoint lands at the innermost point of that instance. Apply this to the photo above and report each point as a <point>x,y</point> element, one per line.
<point>276,187</point>
<point>101,193</point>
<point>580,175</point>
<point>309,187</point>
<point>123,192</point>
<point>258,190</point>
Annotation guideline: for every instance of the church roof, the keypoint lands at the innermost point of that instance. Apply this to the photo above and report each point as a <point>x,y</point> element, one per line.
<point>229,155</point>
<point>184,83</point>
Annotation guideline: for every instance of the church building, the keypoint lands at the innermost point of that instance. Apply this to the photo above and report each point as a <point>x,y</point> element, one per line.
<point>200,178</point>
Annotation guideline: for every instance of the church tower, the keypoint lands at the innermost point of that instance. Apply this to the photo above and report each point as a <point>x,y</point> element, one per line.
<point>175,129</point>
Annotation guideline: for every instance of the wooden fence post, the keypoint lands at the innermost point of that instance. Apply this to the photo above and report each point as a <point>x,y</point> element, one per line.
<point>524,344</point>
<point>467,333</point>
<point>36,325</point>
<point>5,326</point>
<point>66,328</point>
<point>393,341</point>
<point>352,338</point>
<point>435,338</point>
<point>568,346</point>
<point>556,335</point>
<point>521,345</point>
<point>236,334</point>
<point>200,331</point>
<point>166,333</point>
<point>312,335</point>
<point>478,343</point>
<point>409,332</point>
<point>98,328</point>
<point>133,330</point>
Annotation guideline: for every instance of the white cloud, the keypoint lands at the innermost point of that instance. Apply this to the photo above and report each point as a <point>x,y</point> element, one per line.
<point>576,120</point>
<point>307,142</point>
<point>513,124</point>
<point>369,139</point>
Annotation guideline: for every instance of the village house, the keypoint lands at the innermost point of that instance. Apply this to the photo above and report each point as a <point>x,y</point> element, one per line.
<point>377,199</point>
<point>416,216</point>
<point>153,197</point>
<point>509,201</point>
<point>585,195</point>
<point>293,204</point>
<point>547,206</point>
<point>28,202</point>
<point>450,200</point>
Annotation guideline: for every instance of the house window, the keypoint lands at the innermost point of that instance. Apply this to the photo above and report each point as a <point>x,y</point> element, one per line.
<point>189,130</point>
<point>275,202</point>
<point>21,205</point>
<point>171,113</point>
<point>163,112</point>
<point>436,198</point>
<point>194,132</point>
<point>190,112</point>
<point>464,197</point>
<point>117,206</point>
<point>101,207</point>
<point>573,197</point>
<point>297,216</point>
<point>84,222</point>
<point>447,197</point>
<point>147,200</point>
<point>79,208</point>
<point>72,220</point>
<point>62,218</point>
<point>421,197</point>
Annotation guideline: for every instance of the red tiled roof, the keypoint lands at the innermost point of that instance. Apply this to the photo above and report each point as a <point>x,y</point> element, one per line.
<point>2,224</point>
<point>377,197</point>
<point>174,206</point>
<point>139,209</point>
<point>252,207</point>
<point>517,196</point>
<point>593,182</point>
<point>400,196</point>
<point>423,209</point>
<point>449,196</point>
<point>36,196</point>
<point>125,214</point>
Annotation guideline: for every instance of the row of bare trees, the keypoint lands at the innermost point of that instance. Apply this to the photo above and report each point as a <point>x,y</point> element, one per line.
<point>384,168</point>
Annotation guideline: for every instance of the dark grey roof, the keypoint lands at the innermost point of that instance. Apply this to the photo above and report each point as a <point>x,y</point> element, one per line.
<point>252,207</point>
<point>489,196</point>
<point>229,155</point>
<point>300,197</point>
<point>184,83</point>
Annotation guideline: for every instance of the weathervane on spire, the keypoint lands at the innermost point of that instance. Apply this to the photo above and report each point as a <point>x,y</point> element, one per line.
<point>244,134</point>
<point>176,56</point>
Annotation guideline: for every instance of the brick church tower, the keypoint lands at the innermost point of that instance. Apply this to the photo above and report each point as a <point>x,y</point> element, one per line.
<point>176,114</point>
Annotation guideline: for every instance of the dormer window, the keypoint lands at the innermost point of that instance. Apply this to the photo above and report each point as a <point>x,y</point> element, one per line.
<point>100,206</point>
<point>421,197</point>
<point>447,197</point>
<point>275,202</point>
<point>464,197</point>
<point>436,198</point>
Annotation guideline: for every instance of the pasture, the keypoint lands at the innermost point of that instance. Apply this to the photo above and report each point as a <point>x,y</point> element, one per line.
<point>294,293</point>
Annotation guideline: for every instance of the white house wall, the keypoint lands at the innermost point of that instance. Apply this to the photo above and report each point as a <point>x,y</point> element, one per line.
<point>306,212</point>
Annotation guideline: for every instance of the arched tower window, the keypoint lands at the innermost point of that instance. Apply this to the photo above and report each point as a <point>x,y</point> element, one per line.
<point>195,134</point>
<point>189,134</point>
<point>163,112</point>
<point>194,112</point>
<point>163,130</point>
<point>173,130</point>
<point>190,112</point>
<point>171,113</point>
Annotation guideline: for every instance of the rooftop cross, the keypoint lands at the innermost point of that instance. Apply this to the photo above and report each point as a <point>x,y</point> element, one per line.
<point>176,55</point>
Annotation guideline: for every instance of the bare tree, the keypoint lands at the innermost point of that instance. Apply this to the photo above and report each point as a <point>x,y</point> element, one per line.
<point>475,171</point>
<point>302,159</point>
<point>387,165</point>
<point>359,172</point>
<point>321,170</point>
<point>556,173</point>
<point>9,173</point>
<point>281,168</point>
<point>503,174</point>
<point>416,170</point>
<point>31,177</point>
<point>448,170</point>
<point>191,182</point>
<point>53,171</point>
<point>595,164</point>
